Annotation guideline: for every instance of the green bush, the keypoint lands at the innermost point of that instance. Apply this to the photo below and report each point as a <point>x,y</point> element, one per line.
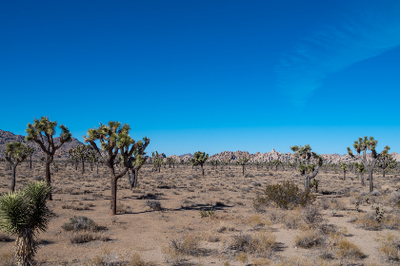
<point>286,195</point>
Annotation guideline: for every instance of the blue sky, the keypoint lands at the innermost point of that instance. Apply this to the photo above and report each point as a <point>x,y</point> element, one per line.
<point>206,75</point>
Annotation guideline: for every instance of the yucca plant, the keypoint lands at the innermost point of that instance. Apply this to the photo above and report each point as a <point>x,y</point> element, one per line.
<point>24,214</point>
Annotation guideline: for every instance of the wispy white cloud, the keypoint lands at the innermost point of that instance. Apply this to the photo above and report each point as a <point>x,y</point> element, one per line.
<point>370,31</point>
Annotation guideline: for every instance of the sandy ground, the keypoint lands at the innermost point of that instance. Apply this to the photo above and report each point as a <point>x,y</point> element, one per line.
<point>183,193</point>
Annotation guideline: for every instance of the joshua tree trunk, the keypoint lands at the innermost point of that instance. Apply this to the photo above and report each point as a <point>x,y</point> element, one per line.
<point>30,162</point>
<point>113,207</point>
<point>384,172</point>
<point>133,177</point>
<point>48,174</point>
<point>307,183</point>
<point>344,175</point>
<point>25,248</point>
<point>14,167</point>
<point>83,166</point>
<point>371,181</point>
<point>243,169</point>
<point>362,179</point>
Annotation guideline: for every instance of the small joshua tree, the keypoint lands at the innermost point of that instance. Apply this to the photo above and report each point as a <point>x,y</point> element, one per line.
<point>243,161</point>
<point>46,143</point>
<point>81,153</point>
<point>369,162</point>
<point>30,151</point>
<point>386,162</point>
<point>157,161</point>
<point>16,153</point>
<point>360,170</point>
<point>276,164</point>
<point>343,166</point>
<point>171,161</point>
<point>114,141</point>
<point>199,158</point>
<point>308,163</point>
<point>24,214</point>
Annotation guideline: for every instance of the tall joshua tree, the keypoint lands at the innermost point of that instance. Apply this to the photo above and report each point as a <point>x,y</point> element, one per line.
<point>24,214</point>
<point>114,141</point>
<point>16,153</point>
<point>343,166</point>
<point>199,158</point>
<point>369,162</point>
<point>308,163</point>
<point>42,132</point>
<point>242,161</point>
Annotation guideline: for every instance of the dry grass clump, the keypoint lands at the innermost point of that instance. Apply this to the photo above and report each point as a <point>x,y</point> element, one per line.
<point>301,261</point>
<point>81,223</point>
<point>389,247</point>
<point>346,249</point>
<point>311,215</point>
<point>107,258</point>
<point>292,219</point>
<point>309,238</point>
<point>262,244</point>
<point>87,237</point>
<point>154,205</point>
<point>177,250</point>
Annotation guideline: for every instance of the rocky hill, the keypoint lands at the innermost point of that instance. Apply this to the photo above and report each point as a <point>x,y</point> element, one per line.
<point>62,153</point>
<point>284,157</point>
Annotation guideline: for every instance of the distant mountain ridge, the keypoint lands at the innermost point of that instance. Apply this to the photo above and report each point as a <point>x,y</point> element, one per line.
<point>62,153</point>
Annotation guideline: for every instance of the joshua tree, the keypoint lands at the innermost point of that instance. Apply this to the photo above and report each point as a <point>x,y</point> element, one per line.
<point>81,153</point>
<point>214,163</point>
<point>343,166</point>
<point>386,162</point>
<point>360,170</point>
<point>243,161</point>
<point>369,162</point>
<point>171,161</point>
<point>30,151</point>
<point>16,152</point>
<point>46,143</point>
<point>157,161</point>
<point>308,163</point>
<point>276,164</point>
<point>115,140</point>
<point>24,214</point>
<point>199,158</point>
<point>136,162</point>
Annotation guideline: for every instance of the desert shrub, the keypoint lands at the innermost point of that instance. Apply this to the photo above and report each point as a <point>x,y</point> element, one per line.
<point>292,220</point>
<point>325,203</point>
<point>209,213</point>
<point>82,238</point>
<point>389,247</point>
<point>263,244</point>
<point>177,250</point>
<point>346,249</point>
<point>311,216</point>
<point>107,258</point>
<point>80,223</point>
<point>155,205</point>
<point>338,205</point>
<point>286,195</point>
<point>309,238</point>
